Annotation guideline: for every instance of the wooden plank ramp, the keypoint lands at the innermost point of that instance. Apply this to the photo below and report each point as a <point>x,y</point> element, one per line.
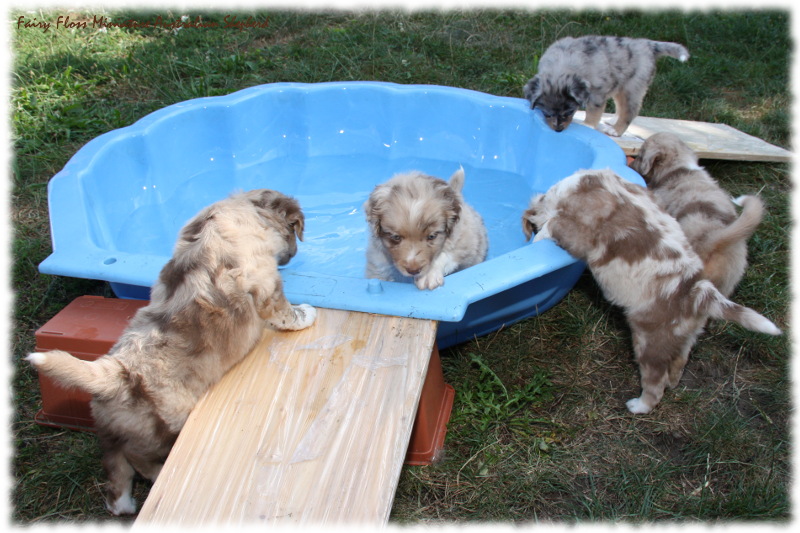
<point>708,140</point>
<point>310,428</point>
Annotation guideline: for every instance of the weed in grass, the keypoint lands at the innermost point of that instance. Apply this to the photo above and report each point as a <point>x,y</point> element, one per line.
<point>485,404</point>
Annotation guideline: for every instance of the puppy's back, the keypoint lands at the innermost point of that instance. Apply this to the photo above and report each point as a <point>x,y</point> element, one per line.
<point>591,51</point>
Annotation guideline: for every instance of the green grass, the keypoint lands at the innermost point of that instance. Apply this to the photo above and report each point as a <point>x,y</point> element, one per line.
<point>539,431</point>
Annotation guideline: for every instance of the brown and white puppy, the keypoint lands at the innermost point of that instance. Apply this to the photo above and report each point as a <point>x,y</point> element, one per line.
<point>705,212</point>
<point>642,261</point>
<point>584,72</point>
<point>421,227</point>
<point>208,309</point>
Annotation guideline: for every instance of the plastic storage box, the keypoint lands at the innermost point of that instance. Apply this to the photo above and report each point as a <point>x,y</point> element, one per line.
<point>87,328</point>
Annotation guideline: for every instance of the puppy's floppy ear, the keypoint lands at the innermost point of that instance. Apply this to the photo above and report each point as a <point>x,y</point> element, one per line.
<point>283,206</point>
<point>375,205</point>
<point>528,224</point>
<point>579,90</point>
<point>451,200</point>
<point>528,227</point>
<point>296,220</point>
<point>647,161</point>
<point>533,90</point>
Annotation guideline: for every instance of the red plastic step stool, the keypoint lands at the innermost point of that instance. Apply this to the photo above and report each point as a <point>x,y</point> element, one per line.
<point>87,328</point>
<point>90,325</point>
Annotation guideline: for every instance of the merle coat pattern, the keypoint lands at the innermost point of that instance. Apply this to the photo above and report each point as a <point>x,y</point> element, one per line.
<point>208,309</point>
<point>642,261</point>
<point>585,72</point>
<point>706,213</point>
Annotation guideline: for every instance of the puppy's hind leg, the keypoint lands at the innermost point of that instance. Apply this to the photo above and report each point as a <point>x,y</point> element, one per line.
<point>654,368</point>
<point>120,483</point>
<point>654,379</point>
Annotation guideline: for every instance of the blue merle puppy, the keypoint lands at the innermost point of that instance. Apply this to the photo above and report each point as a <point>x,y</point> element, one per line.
<point>584,72</point>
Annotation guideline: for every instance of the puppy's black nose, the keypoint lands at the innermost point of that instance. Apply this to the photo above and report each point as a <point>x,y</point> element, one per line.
<point>414,272</point>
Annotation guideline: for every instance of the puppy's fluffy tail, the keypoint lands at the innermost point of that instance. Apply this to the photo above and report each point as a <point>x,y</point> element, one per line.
<point>741,229</point>
<point>678,51</point>
<point>100,378</point>
<point>713,303</point>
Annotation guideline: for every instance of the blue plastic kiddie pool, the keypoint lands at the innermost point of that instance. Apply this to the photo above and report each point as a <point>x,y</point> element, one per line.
<point>117,206</point>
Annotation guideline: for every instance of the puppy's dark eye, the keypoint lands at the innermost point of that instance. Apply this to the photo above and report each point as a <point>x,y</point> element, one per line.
<point>395,238</point>
<point>432,236</point>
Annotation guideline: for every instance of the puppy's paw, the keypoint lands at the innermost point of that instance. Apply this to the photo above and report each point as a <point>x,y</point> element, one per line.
<point>608,129</point>
<point>305,315</point>
<point>638,407</point>
<point>430,280</point>
<point>122,505</point>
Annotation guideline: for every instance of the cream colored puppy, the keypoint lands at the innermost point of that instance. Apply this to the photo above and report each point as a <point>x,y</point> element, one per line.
<point>208,309</point>
<point>705,212</point>
<point>421,228</point>
<point>642,261</point>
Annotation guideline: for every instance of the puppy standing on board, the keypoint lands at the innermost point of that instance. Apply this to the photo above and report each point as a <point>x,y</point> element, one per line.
<point>705,212</point>
<point>207,311</point>
<point>576,72</point>
<point>421,228</point>
<point>642,261</point>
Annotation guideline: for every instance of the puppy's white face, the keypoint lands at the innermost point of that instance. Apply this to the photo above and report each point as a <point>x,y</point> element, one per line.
<point>412,216</point>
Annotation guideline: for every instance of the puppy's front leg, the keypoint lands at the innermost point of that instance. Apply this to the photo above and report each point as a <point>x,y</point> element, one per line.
<point>431,279</point>
<point>543,233</point>
<point>273,307</point>
<point>593,115</point>
<point>625,113</point>
<point>441,266</point>
<point>282,315</point>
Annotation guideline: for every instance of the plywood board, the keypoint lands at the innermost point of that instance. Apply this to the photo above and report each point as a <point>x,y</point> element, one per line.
<point>311,428</point>
<point>708,140</point>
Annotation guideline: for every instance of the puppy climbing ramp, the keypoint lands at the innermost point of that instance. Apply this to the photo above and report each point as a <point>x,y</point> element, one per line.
<point>312,427</point>
<point>708,140</point>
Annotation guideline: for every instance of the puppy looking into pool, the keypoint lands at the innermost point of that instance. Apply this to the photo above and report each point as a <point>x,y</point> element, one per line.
<point>421,228</point>
<point>643,262</point>
<point>576,72</point>
<point>208,309</point>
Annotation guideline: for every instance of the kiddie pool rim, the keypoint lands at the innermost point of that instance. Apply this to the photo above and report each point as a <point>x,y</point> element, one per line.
<point>448,303</point>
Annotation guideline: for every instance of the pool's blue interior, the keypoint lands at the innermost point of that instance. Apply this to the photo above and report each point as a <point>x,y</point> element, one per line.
<point>118,205</point>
